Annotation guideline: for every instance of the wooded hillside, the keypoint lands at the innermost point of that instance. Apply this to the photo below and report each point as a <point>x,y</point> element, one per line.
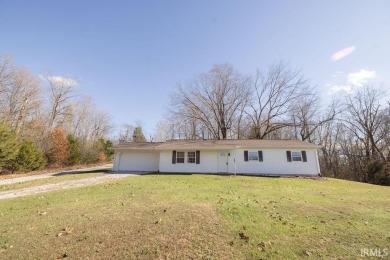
<point>44,121</point>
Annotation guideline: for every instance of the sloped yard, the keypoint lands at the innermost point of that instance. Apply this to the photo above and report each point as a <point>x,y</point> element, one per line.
<point>199,217</point>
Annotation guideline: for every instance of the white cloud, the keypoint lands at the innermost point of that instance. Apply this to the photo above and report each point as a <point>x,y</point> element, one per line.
<point>340,88</point>
<point>360,78</point>
<point>343,53</point>
<point>354,80</point>
<point>61,80</point>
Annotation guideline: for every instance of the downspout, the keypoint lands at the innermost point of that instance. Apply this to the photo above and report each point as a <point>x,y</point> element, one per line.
<point>159,160</point>
<point>118,161</point>
<point>235,169</point>
<point>318,164</point>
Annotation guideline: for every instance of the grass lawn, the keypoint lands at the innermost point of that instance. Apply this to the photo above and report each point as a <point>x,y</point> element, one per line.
<point>199,217</point>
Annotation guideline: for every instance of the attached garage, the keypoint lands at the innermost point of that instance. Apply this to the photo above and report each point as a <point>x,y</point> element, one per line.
<point>142,159</point>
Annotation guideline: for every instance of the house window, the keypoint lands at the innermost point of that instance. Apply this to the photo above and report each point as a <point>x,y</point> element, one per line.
<point>296,156</point>
<point>253,156</point>
<point>191,157</point>
<point>180,157</point>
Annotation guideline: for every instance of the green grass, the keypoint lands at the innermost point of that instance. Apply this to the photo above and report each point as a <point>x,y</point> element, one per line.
<point>199,217</point>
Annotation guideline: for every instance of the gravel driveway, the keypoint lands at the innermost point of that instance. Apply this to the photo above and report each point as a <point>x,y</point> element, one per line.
<point>60,185</point>
<point>50,175</point>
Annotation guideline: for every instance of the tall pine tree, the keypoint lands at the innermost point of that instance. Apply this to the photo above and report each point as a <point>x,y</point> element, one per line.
<point>29,158</point>
<point>9,146</point>
<point>138,135</point>
<point>74,150</point>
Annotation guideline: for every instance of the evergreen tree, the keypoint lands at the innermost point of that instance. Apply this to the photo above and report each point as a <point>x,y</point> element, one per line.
<point>90,153</point>
<point>106,148</point>
<point>9,146</point>
<point>74,150</point>
<point>29,158</point>
<point>138,135</point>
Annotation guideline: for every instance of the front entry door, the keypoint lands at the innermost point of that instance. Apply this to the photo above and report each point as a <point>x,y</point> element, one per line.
<point>223,161</point>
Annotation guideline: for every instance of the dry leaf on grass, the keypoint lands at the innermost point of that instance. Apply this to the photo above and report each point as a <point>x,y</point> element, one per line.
<point>243,236</point>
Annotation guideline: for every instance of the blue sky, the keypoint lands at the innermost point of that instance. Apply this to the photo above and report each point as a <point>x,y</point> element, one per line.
<point>129,55</point>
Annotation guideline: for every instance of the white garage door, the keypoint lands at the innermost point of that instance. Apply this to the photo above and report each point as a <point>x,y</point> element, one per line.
<point>139,161</point>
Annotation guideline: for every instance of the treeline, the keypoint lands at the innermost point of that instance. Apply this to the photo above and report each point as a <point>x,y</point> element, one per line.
<point>45,122</point>
<point>280,103</point>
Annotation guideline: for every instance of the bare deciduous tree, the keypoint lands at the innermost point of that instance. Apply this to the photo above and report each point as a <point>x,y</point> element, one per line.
<point>356,147</point>
<point>164,131</point>
<point>385,130</point>
<point>100,122</point>
<point>364,119</point>
<point>329,137</point>
<point>61,90</point>
<point>125,133</point>
<point>22,98</point>
<point>84,120</point>
<point>308,115</point>
<point>213,99</point>
<point>276,92</point>
<point>6,72</point>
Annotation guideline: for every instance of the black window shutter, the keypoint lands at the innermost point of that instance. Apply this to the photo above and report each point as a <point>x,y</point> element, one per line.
<point>173,157</point>
<point>260,156</point>
<point>288,156</point>
<point>197,157</point>
<point>246,156</point>
<point>304,158</point>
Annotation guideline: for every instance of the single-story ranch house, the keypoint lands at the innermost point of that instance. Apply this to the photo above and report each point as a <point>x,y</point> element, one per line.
<point>257,157</point>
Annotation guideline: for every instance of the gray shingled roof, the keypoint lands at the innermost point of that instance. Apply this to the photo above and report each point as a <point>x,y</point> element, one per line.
<point>137,146</point>
<point>216,144</point>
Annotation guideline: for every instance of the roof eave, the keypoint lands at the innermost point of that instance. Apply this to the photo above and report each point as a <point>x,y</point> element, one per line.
<point>238,147</point>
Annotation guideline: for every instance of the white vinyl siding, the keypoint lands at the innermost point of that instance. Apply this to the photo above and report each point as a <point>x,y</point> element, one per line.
<point>208,163</point>
<point>274,163</point>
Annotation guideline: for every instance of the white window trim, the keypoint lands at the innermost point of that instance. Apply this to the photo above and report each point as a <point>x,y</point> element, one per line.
<point>300,156</point>
<point>257,156</point>
<point>177,157</point>
<point>187,159</point>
